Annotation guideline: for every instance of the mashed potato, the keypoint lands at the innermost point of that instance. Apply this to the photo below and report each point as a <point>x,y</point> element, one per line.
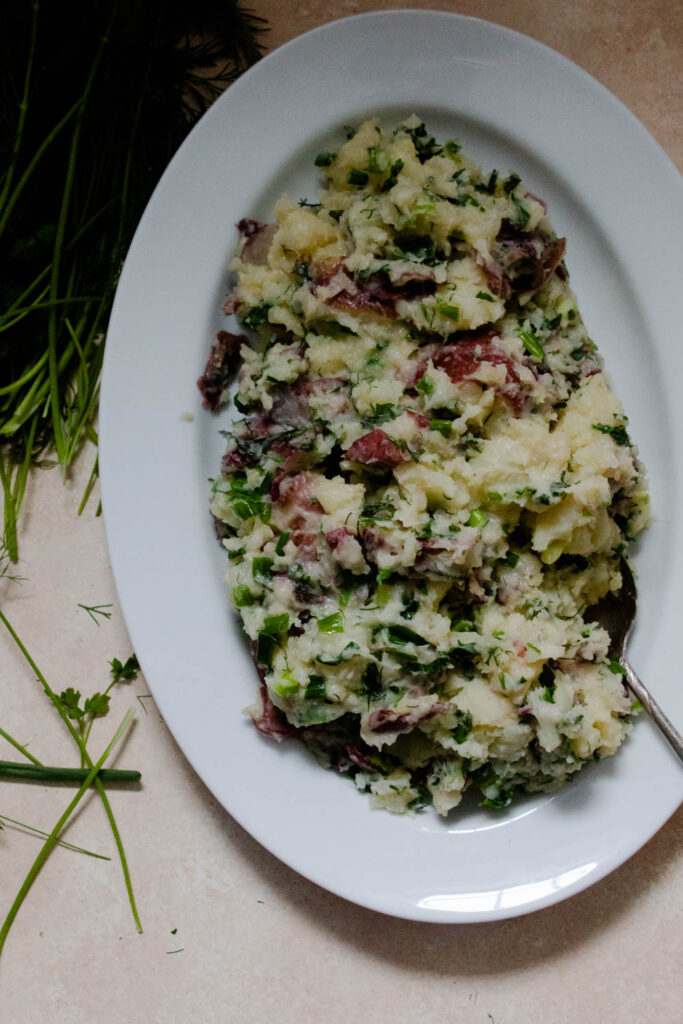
<point>431,483</point>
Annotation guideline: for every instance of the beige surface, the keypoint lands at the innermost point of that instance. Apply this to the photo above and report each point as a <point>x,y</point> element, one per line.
<point>256,942</point>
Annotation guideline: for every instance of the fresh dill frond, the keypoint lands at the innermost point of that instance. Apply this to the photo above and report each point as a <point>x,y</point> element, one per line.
<point>95,610</point>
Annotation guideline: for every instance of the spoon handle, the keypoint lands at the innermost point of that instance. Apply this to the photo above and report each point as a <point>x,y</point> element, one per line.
<point>653,709</point>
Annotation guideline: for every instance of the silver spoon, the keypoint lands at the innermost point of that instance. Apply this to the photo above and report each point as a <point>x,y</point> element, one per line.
<point>616,613</point>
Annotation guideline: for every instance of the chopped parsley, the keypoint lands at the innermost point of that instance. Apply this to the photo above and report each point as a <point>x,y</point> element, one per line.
<point>618,433</point>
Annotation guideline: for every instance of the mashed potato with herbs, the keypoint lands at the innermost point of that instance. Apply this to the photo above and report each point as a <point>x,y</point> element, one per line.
<point>431,483</point>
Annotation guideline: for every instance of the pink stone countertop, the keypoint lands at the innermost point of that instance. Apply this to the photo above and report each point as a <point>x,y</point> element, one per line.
<point>230,934</point>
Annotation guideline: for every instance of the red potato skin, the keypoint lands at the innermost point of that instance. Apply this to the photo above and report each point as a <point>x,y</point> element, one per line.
<point>377,450</point>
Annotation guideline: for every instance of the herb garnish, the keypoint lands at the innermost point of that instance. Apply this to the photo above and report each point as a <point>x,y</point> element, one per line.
<point>85,140</point>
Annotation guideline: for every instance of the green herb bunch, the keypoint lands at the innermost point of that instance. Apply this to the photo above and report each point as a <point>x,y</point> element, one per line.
<point>94,100</point>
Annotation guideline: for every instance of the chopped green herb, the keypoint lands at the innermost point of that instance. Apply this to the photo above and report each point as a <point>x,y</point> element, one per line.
<point>281,542</point>
<point>403,635</point>
<point>618,433</point>
<point>497,803</point>
<point>448,311</point>
<point>463,728</point>
<point>274,628</point>
<point>520,215</point>
<point>463,626</point>
<point>262,569</point>
<point>531,344</point>
<point>336,659</point>
<point>325,159</point>
<point>356,177</point>
<point>547,681</point>
<point>316,689</point>
<point>465,199</point>
<point>378,159</point>
<point>287,686</point>
<point>258,315</point>
<point>477,517</point>
<point>371,682</point>
<point>485,297</point>
<point>381,511</point>
<point>426,145</point>
<point>444,427</point>
<point>331,623</point>
<point>242,596</point>
<point>511,183</point>
<point>276,625</point>
<point>394,172</point>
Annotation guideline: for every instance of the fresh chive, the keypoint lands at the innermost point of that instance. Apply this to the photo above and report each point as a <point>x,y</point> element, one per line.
<point>88,762</point>
<point>50,842</point>
<point>44,773</point>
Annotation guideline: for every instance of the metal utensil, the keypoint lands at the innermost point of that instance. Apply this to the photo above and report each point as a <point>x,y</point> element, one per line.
<point>616,613</point>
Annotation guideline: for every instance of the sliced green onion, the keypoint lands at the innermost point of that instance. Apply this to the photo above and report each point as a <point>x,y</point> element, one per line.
<point>444,427</point>
<point>356,177</point>
<point>401,635</point>
<point>316,689</point>
<point>531,344</point>
<point>242,596</point>
<point>288,686</point>
<point>262,568</point>
<point>331,623</point>
<point>477,517</point>
<point>281,542</point>
<point>448,311</point>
